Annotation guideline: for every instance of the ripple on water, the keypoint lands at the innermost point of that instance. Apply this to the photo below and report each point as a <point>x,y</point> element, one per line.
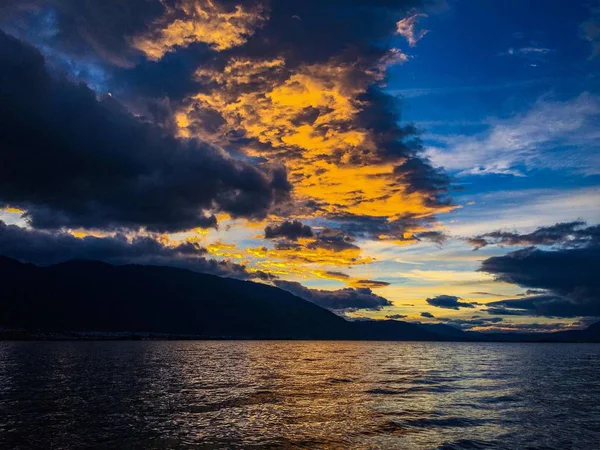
<point>433,422</point>
<point>412,389</point>
<point>471,444</point>
<point>355,395</point>
<point>340,380</point>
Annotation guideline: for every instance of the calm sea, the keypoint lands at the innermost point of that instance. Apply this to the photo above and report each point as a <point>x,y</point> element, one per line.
<point>245,394</point>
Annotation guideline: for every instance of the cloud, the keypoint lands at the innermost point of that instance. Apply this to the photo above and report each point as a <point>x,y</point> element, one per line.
<point>567,274</point>
<point>51,247</point>
<point>298,259</point>
<point>525,209</point>
<point>590,30</point>
<point>567,234</point>
<point>309,93</point>
<point>529,51</point>
<point>406,28</point>
<point>500,311</point>
<point>453,277</point>
<point>532,292</point>
<point>395,316</point>
<point>187,22</point>
<point>326,130</point>
<point>256,110</point>
<point>468,324</point>
<point>289,229</point>
<point>73,31</point>
<point>371,284</point>
<point>330,247</point>
<point>544,305</point>
<point>334,240</point>
<point>347,299</point>
<point>449,302</point>
<point>558,135</point>
<point>253,80</point>
<point>533,54</point>
<point>313,251</point>
<point>427,314</point>
<point>506,327</point>
<point>420,92</point>
<point>407,228</point>
<point>438,237</point>
<point>71,159</point>
<point>499,325</point>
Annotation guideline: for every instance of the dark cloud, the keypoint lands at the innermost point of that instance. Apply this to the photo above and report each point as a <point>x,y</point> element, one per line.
<point>532,292</point>
<point>570,277</point>
<point>325,28</point>
<point>491,294</point>
<point>585,322</point>
<point>372,284</point>
<point>562,282</point>
<point>347,299</point>
<point>544,305</point>
<point>96,42</point>
<point>80,28</point>
<point>467,324</point>
<point>349,39</point>
<point>395,316</point>
<point>378,228</point>
<point>427,314</point>
<point>371,227</point>
<point>424,179</point>
<point>477,242</point>
<point>333,240</point>
<point>496,311</point>
<point>448,302</point>
<point>73,160</point>
<point>567,234</point>
<point>51,247</point>
<point>335,274</point>
<point>105,28</point>
<point>436,237</point>
<point>289,229</point>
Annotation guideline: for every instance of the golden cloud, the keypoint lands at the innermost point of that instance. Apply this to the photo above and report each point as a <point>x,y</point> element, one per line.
<point>307,118</point>
<point>205,21</point>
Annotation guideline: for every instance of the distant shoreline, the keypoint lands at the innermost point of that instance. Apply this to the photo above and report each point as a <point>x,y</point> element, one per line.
<point>92,336</point>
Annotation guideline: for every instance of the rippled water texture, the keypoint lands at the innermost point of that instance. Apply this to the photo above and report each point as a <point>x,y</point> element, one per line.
<point>299,395</point>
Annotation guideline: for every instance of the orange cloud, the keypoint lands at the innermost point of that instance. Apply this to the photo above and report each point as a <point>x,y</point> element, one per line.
<point>308,251</point>
<point>205,21</point>
<point>305,258</point>
<point>11,210</point>
<point>307,118</point>
<point>222,249</point>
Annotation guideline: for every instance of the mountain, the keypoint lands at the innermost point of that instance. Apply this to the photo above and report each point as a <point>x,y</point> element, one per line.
<point>91,296</point>
<point>95,296</point>
<point>447,331</point>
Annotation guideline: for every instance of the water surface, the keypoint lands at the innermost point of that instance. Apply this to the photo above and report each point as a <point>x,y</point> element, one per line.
<point>240,394</point>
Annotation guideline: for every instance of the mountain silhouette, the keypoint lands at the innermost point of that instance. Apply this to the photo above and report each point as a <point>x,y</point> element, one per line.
<point>92,296</point>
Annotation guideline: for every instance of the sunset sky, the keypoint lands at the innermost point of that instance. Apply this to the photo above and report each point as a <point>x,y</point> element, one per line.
<point>414,160</point>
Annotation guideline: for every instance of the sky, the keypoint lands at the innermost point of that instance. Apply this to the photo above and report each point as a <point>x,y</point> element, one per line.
<point>427,161</point>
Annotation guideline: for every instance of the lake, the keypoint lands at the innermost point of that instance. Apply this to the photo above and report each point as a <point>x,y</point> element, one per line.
<point>276,394</point>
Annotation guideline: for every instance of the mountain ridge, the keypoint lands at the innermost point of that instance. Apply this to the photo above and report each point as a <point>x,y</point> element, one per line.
<point>84,296</point>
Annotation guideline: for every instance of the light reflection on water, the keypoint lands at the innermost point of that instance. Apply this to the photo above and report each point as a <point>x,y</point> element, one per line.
<point>228,394</point>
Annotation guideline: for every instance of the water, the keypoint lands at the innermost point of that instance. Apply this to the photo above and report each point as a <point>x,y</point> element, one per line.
<point>298,395</point>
